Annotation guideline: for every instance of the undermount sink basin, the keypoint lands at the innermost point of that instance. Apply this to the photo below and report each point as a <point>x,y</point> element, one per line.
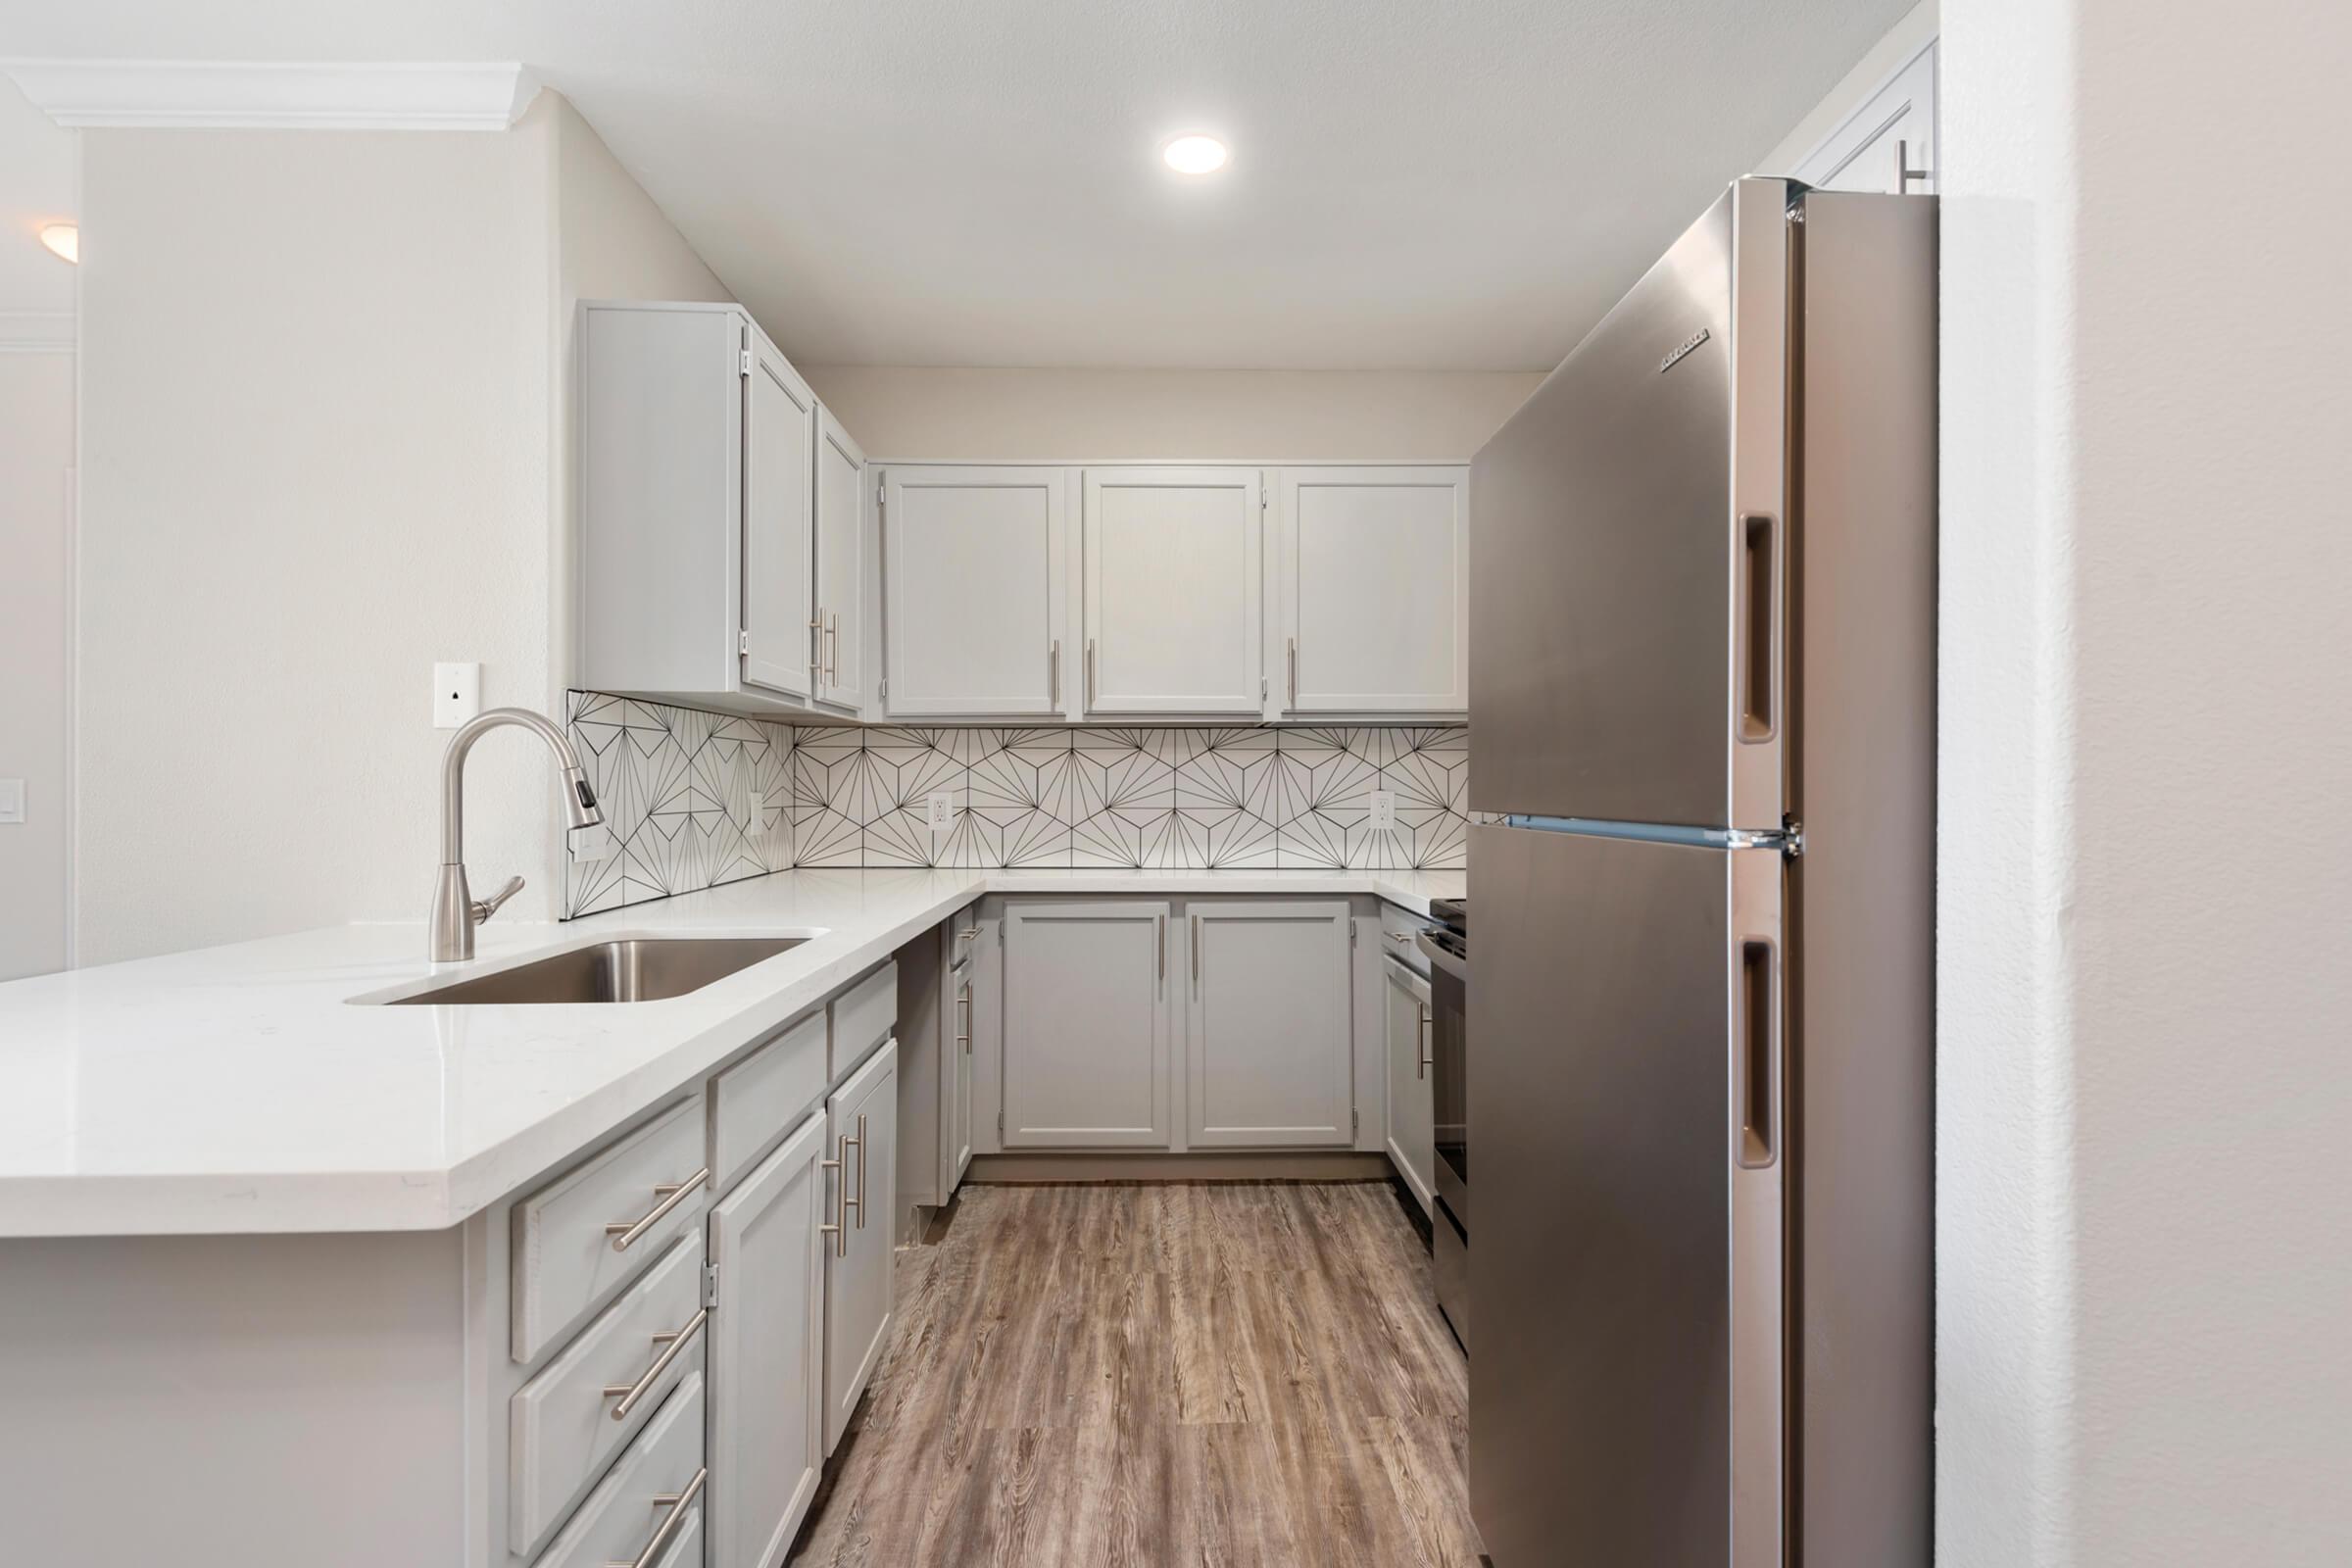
<point>639,969</point>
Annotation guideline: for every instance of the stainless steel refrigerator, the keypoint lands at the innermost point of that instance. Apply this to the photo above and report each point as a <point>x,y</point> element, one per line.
<point>1700,1012</point>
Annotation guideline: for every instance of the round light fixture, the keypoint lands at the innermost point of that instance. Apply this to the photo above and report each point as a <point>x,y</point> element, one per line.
<point>65,239</point>
<point>1195,154</point>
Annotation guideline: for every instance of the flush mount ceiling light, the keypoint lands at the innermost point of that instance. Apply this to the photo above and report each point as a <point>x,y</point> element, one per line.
<point>1195,154</point>
<point>65,239</point>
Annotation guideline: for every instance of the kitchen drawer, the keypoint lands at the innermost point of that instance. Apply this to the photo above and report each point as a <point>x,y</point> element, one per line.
<point>755,1101</point>
<point>864,1016</point>
<point>561,1426</point>
<point>1397,928</point>
<point>565,1258</point>
<point>621,1518</point>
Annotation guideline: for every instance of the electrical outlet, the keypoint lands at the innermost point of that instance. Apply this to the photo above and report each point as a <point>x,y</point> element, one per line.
<point>942,811</point>
<point>1384,811</point>
<point>591,843</point>
<point>457,694</point>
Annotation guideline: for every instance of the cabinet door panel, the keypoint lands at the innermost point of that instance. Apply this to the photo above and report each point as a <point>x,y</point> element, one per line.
<point>1174,569</point>
<point>841,565</point>
<point>974,589</point>
<point>1376,568</point>
<point>779,446</point>
<point>1268,1038</point>
<point>766,1354</point>
<point>1086,1025</point>
<point>1412,1143</point>
<point>857,1281</point>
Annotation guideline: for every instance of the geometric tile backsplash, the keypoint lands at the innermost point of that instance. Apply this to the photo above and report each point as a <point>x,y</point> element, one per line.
<point>694,799</point>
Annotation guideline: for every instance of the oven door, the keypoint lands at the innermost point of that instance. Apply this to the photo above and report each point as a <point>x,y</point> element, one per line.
<point>1450,1099</point>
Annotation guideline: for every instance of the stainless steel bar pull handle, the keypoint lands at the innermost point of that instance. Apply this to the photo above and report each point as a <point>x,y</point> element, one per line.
<point>964,1005</point>
<point>1089,672</point>
<point>1293,672</point>
<point>1758,1053</point>
<point>1904,173</point>
<point>630,1393</point>
<point>677,1503</point>
<point>1053,675</point>
<point>1162,922</point>
<point>1423,1058</point>
<point>860,1170</point>
<point>833,647</point>
<point>839,1230</point>
<point>627,1233</point>
<point>1196,955</point>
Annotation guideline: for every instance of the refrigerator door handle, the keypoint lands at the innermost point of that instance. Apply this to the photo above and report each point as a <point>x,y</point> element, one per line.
<point>1760,629</point>
<point>1756,1055</point>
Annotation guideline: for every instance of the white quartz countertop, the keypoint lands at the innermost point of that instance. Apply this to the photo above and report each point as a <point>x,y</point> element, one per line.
<point>239,1088</point>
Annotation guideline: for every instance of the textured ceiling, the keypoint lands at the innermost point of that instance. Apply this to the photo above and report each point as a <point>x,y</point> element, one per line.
<point>1414,183</point>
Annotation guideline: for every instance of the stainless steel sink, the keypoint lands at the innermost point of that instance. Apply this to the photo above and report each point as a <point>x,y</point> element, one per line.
<point>639,969</point>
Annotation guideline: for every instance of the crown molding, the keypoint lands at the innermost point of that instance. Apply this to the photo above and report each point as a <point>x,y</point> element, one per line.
<point>36,332</point>
<point>201,94</point>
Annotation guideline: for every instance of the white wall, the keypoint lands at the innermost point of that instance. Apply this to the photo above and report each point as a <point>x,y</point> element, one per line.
<point>315,452</point>
<point>612,242</point>
<point>37,455</point>
<point>982,414</point>
<point>2145,1062</point>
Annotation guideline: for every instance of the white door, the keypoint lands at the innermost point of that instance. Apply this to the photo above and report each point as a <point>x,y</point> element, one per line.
<point>1375,586</point>
<point>1889,144</point>
<point>841,565</point>
<point>766,1350</point>
<point>1412,1141</point>
<point>1086,1025</point>
<point>863,1121</point>
<point>1175,566</point>
<point>1268,1036</point>
<point>973,591</point>
<point>779,498</point>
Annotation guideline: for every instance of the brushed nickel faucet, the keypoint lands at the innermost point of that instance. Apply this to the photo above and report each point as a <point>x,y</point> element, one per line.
<point>455,910</point>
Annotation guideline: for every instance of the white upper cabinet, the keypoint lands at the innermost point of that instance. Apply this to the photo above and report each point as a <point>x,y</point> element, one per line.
<point>780,446</point>
<point>973,591</point>
<point>1889,144</point>
<point>841,565</point>
<point>1373,572</point>
<point>1174,568</point>
<point>699,493</point>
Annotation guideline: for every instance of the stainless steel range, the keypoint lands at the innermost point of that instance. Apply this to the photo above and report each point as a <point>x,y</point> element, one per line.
<point>1447,945</point>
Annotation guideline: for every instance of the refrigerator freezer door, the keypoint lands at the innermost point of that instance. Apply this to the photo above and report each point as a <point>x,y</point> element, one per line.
<point>1629,548</point>
<point>1625,1400</point>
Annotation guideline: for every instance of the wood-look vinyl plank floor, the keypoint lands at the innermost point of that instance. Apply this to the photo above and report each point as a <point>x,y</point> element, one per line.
<point>1227,1375</point>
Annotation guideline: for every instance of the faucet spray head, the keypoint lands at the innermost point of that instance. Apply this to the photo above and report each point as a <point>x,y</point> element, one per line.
<point>579,801</point>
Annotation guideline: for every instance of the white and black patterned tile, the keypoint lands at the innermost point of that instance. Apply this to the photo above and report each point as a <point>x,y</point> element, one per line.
<point>690,799</point>
<point>1124,783</point>
<point>1428,770</point>
<point>1225,792</point>
<point>1324,779</point>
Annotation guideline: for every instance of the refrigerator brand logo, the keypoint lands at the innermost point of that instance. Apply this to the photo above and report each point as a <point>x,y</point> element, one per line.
<point>1676,358</point>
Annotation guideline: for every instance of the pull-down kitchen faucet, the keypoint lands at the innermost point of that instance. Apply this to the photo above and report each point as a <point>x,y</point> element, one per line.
<point>455,910</point>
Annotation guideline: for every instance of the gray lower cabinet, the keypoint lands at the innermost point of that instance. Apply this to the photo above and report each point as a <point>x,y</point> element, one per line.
<point>861,1126</point>
<point>1269,1048</point>
<point>1412,1141</point>
<point>1087,1024</point>
<point>766,1354</point>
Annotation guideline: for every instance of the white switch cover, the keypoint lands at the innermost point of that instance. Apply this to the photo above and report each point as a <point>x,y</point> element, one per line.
<point>591,843</point>
<point>457,694</point>
<point>942,811</point>
<point>1384,810</point>
<point>12,800</point>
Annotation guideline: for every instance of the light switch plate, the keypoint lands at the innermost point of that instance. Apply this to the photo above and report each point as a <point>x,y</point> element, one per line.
<point>942,810</point>
<point>457,694</point>
<point>1384,810</point>
<point>12,800</point>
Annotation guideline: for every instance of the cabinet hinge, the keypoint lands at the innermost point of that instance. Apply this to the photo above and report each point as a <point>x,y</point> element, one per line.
<point>1356,1124</point>
<point>710,1286</point>
<point>999,1124</point>
<point>746,363</point>
<point>743,639</point>
<point>1351,933</point>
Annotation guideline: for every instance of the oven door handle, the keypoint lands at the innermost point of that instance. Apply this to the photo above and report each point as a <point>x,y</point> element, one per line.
<point>1448,962</point>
